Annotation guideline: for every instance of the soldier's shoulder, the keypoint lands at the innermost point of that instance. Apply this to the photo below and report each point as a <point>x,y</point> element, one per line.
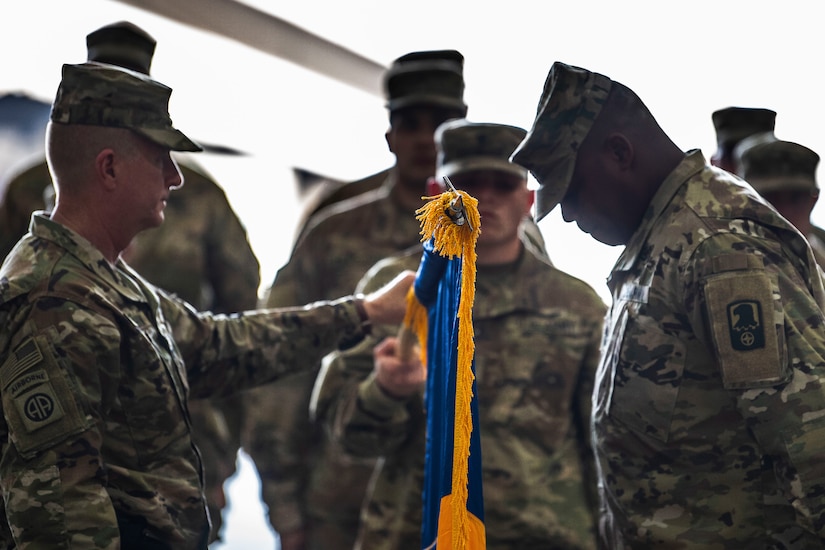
<point>348,190</point>
<point>345,214</point>
<point>31,176</point>
<point>384,270</point>
<point>29,266</point>
<point>557,288</point>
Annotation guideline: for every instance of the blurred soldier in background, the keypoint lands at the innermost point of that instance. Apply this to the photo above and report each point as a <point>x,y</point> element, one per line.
<point>732,125</point>
<point>313,492</point>
<point>537,333</point>
<point>201,253</point>
<point>785,174</point>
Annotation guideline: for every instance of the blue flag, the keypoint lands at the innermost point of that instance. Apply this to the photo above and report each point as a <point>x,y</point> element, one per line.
<point>453,505</point>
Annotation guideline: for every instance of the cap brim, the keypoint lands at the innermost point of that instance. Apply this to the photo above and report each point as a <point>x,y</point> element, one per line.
<point>426,101</point>
<point>783,183</point>
<point>170,138</point>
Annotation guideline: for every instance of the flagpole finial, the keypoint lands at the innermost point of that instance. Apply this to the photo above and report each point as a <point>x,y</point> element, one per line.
<point>455,209</point>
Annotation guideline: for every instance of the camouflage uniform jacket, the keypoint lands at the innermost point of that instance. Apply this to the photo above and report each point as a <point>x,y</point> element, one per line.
<point>709,408</point>
<point>96,367</point>
<point>537,334</point>
<point>300,476</point>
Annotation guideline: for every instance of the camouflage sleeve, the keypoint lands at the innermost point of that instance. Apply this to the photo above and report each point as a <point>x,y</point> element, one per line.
<point>756,313</point>
<point>228,353</point>
<point>232,268</point>
<point>355,411</point>
<point>57,380</point>
<point>358,414</point>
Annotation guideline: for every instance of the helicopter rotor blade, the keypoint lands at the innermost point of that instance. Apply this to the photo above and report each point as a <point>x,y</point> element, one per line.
<point>272,35</point>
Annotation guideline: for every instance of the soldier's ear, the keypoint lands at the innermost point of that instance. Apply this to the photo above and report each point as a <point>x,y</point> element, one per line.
<point>620,150</point>
<point>105,168</point>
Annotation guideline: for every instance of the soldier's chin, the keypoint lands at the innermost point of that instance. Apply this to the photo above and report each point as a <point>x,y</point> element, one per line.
<point>609,238</point>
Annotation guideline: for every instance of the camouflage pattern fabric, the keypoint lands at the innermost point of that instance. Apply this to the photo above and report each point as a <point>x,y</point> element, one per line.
<point>709,408</point>
<point>537,333</point>
<point>306,483</point>
<point>202,254</point>
<point>96,368</point>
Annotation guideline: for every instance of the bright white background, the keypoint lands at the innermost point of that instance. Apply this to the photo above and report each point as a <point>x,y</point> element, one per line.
<point>684,59</point>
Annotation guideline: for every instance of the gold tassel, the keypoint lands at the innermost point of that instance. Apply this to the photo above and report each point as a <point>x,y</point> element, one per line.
<point>452,240</point>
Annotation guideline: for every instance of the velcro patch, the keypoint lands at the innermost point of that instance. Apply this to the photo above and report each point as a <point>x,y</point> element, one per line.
<point>39,402</point>
<point>741,316</point>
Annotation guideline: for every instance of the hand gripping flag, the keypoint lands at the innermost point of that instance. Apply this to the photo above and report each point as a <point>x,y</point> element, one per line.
<point>439,313</point>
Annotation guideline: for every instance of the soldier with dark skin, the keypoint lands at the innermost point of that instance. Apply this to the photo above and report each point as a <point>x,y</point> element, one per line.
<point>709,401</point>
<point>97,365</point>
<point>537,332</point>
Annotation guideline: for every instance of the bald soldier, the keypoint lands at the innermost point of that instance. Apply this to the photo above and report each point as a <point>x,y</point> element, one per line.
<point>97,365</point>
<point>709,403</point>
<point>201,253</point>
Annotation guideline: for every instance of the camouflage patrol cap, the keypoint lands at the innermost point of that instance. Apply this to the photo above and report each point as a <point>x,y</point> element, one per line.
<point>426,78</point>
<point>98,94</point>
<point>571,101</point>
<point>123,44</point>
<point>464,146</point>
<point>733,124</point>
<point>779,166</point>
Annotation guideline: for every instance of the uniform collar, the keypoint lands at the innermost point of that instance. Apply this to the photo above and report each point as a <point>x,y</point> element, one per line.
<point>693,163</point>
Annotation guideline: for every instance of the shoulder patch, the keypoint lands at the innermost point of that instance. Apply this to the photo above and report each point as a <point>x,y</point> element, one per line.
<point>38,402</point>
<point>742,322</point>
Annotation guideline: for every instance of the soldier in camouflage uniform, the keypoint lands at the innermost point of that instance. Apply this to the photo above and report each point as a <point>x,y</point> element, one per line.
<point>785,174</point>
<point>733,125</point>
<point>537,332</point>
<point>201,253</point>
<point>314,493</point>
<point>97,365</point>
<point>709,406</point>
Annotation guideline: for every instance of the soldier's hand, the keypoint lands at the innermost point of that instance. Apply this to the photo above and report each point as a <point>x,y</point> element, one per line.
<point>399,379</point>
<point>388,304</point>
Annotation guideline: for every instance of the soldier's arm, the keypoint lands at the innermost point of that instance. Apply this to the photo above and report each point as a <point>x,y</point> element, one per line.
<point>225,354</point>
<point>779,385</point>
<point>59,382</point>
<point>360,415</point>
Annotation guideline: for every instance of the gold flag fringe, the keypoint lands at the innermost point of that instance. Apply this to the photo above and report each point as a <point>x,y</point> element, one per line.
<point>452,240</point>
